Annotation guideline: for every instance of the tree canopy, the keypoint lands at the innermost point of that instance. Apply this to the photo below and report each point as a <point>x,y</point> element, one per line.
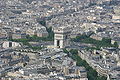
<point>91,73</point>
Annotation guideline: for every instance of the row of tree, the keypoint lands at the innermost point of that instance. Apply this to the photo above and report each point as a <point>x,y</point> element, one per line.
<point>91,73</point>
<point>105,42</point>
<point>34,38</point>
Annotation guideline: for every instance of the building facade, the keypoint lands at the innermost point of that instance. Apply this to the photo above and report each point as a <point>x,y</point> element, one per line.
<point>61,37</point>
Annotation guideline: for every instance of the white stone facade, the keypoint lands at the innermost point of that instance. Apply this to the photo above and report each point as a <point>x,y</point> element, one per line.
<point>61,37</point>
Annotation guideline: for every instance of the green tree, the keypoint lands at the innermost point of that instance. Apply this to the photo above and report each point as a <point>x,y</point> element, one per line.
<point>116,45</point>
<point>74,51</point>
<point>91,73</point>
<point>106,40</point>
<point>50,36</point>
<point>41,21</point>
<point>65,51</point>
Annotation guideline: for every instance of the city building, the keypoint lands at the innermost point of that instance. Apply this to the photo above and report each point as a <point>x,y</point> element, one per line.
<point>10,44</point>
